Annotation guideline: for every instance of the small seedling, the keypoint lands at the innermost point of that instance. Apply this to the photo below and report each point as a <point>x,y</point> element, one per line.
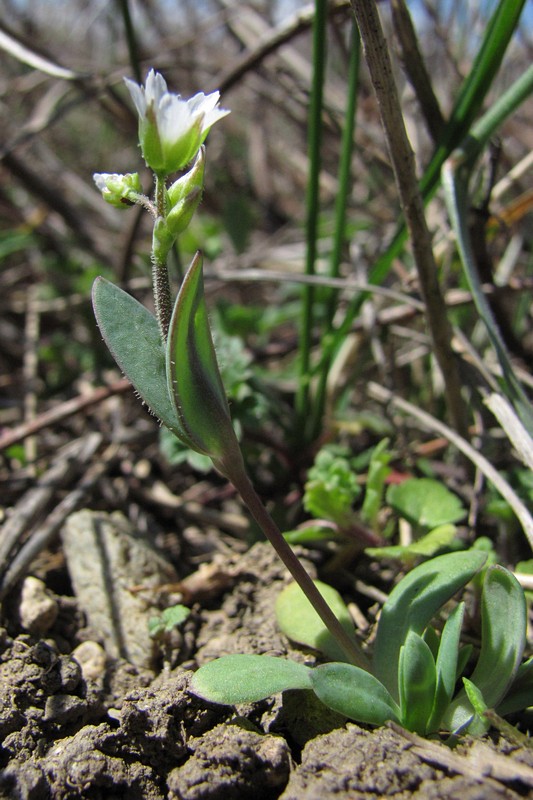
<point>414,670</point>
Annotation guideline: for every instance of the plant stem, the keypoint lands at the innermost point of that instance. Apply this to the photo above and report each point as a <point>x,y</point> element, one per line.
<point>160,279</point>
<point>244,486</point>
<point>131,39</point>
<point>380,68</point>
<point>340,224</point>
<point>312,207</point>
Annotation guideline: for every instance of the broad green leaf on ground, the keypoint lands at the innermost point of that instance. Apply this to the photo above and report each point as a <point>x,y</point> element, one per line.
<point>425,503</point>
<point>300,622</point>
<point>354,692</point>
<point>248,678</point>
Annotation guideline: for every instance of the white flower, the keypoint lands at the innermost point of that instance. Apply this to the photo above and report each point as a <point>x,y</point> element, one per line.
<point>171,129</point>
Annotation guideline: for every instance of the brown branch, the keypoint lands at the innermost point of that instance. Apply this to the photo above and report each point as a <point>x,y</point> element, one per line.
<point>61,412</point>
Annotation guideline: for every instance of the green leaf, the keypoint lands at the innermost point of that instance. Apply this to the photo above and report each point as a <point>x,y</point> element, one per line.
<point>331,488</point>
<point>248,678</point>
<point>412,604</point>
<point>194,381</point>
<point>425,503</point>
<point>132,335</point>
<point>378,471</point>
<point>425,547</point>
<point>354,692</point>
<point>169,619</point>
<point>503,638</point>
<point>446,666</point>
<point>417,679</point>
<point>520,695</point>
<point>300,622</point>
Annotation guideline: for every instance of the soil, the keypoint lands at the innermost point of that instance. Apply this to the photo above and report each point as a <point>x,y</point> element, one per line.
<point>89,711</point>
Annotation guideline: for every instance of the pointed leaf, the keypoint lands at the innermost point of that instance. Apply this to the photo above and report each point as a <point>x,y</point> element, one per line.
<point>417,683</point>
<point>194,381</point>
<point>132,335</point>
<point>446,664</point>
<point>520,695</point>
<point>503,638</point>
<point>354,692</point>
<point>300,622</point>
<point>414,602</point>
<point>248,678</point>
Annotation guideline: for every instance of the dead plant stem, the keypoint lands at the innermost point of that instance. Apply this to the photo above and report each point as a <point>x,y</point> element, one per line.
<point>380,68</point>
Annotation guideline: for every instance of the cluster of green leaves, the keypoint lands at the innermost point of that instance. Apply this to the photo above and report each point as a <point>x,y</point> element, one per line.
<point>335,498</point>
<point>414,670</point>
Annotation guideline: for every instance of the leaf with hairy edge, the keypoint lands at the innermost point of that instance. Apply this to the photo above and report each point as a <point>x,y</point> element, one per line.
<point>248,678</point>
<point>132,335</point>
<point>194,381</point>
<point>414,602</point>
<point>354,692</point>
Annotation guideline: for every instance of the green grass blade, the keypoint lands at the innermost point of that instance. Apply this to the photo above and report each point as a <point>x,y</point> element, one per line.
<point>312,207</point>
<point>470,98</point>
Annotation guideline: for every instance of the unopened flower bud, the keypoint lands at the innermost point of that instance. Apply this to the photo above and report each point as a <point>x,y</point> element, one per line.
<point>162,240</point>
<point>120,191</point>
<point>184,196</point>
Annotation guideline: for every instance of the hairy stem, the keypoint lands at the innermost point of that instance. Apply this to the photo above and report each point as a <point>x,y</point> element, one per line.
<point>160,279</point>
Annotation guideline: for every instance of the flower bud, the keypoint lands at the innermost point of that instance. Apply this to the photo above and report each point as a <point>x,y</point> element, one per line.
<point>120,191</point>
<point>183,197</point>
<point>162,241</point>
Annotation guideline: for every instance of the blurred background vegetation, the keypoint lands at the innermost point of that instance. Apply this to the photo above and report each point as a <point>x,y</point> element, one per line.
<point>65,114</point>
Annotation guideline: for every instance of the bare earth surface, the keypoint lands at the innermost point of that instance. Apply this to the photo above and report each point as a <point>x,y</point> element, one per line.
<point>80,721</point>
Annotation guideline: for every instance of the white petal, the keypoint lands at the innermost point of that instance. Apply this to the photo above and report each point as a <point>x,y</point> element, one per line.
<point>101,178</point>
<point>173,118</point>
<point>137,95</point>
<point>156,87</point>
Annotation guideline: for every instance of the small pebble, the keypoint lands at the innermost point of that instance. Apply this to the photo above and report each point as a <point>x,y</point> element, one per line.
<point>92,659</point>
<point>37,609</point>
